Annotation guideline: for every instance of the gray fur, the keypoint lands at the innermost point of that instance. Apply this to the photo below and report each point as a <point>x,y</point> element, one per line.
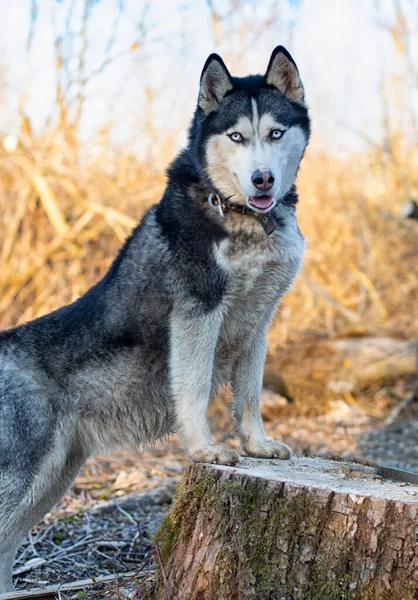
<point>183,309</point>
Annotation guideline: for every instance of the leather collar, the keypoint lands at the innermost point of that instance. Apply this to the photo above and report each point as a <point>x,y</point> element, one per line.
<point>267,220</point>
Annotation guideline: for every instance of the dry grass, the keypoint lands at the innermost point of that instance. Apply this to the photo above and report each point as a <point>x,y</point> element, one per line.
<point>64,217</point>
<point>63,221</point>
<point>361,267</point>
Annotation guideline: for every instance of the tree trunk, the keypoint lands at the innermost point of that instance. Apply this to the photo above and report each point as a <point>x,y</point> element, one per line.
<point>307,528</point>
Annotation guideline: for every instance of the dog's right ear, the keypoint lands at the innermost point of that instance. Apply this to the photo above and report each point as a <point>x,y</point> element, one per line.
<point>215,82</point>
<point>283,74</point>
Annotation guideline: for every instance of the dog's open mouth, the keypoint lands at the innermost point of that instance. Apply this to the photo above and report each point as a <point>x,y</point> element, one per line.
<point>261,202</point>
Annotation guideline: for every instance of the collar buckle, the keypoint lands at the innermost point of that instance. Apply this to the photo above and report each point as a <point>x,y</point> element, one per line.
<point>267,222</point>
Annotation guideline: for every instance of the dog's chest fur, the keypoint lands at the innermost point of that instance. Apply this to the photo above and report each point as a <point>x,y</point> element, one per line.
<point>260,270</point>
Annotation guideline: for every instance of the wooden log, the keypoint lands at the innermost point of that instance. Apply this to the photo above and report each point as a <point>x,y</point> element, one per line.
<point>306,528</point>
<point>53,592</point>
<point>327,367</point>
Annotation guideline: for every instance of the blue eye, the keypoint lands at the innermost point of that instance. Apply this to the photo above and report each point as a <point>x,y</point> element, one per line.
<point>235,137</point>
<point>276,134</point>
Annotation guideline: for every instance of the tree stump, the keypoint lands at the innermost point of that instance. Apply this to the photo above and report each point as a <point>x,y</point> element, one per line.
<point>306,528</point>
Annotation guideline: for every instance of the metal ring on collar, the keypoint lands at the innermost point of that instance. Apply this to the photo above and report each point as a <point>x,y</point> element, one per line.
<point>217,207</point>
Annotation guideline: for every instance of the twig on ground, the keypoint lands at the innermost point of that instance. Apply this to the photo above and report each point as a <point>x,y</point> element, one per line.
<point>399,408</point>
<point>54,589</point>
<point>112,559</point>
<point>132,544</point>
<point>32,545</point>
<point>33,563</point>
<point>125,512</point>
<point>160,562</point>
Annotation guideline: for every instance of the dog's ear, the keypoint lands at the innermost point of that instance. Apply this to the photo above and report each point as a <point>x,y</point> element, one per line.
<point>215,82</point>
<point>283,73</point>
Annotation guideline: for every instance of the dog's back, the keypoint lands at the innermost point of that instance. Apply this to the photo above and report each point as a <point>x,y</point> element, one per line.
<point>95,360</point>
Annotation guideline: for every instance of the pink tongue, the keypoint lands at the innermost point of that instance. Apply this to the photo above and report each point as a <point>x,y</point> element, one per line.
<point>261,201</point>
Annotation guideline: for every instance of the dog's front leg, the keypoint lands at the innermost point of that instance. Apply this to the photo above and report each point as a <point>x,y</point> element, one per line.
<point>246,388</point>
<point>194,334</point>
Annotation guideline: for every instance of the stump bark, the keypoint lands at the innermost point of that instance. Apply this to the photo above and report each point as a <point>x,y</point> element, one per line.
<point>306,528</point>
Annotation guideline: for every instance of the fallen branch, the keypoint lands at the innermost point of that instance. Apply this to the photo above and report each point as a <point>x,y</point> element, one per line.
<point>53,590</point>
<point>337,367</point>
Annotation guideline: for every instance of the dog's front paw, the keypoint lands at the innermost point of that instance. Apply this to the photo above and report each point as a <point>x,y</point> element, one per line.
<point>268,449</point>
<point>218,454</point>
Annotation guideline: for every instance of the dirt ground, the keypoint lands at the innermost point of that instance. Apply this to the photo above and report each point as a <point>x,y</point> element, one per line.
<point>105,525</point>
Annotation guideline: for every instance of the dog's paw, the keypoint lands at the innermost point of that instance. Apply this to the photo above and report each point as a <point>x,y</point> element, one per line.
<point>268,449</point>
<point>218,454</point>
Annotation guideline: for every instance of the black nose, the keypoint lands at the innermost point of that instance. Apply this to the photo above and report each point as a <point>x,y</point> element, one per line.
<point>263,179</point>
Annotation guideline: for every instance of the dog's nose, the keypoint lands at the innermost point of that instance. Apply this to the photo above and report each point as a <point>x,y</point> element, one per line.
<point>263,179</point>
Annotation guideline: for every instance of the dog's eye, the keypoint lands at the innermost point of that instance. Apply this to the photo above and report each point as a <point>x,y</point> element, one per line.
<point>276,134</point>
<point>236,137</point>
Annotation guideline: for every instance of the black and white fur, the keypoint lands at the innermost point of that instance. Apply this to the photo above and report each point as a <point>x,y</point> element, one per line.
<point>183,309</point>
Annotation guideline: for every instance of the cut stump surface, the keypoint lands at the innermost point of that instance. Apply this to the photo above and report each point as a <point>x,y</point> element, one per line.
<point>305,528</point>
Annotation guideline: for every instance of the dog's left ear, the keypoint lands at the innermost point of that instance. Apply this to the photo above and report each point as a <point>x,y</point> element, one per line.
<point>215,82</point>
<point>283,73</point>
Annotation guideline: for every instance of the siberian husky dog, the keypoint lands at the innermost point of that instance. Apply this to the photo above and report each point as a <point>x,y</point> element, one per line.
<point>183,309</point>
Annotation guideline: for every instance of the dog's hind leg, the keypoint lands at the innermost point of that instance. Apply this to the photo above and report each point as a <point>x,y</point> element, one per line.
<point>53,478</point>
<point>8,549</point>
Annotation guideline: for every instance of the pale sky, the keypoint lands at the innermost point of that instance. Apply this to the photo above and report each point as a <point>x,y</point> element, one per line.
<point>342,52</point>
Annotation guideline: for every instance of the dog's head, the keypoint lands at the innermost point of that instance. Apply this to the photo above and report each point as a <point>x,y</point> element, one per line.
<point>252,132</point>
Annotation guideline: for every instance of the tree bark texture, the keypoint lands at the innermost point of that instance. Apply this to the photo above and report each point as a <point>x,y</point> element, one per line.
<point>302,529</point>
